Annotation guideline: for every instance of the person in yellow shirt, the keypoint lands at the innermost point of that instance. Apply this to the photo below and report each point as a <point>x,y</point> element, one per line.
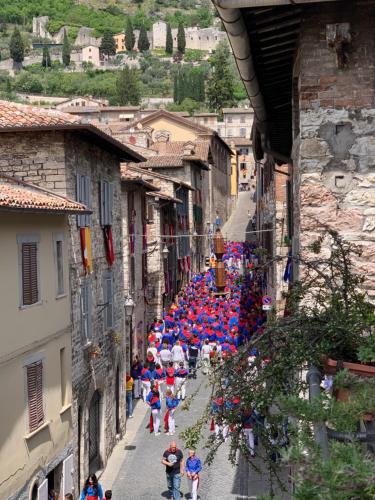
<point>129,395</point>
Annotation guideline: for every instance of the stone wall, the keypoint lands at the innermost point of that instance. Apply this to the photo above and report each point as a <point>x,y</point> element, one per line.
<point>334,156</point>
<point>52,160</point>
<point>155,269</point>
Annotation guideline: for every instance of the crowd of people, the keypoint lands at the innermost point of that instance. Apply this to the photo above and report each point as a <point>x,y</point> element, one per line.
<point>200,329</point>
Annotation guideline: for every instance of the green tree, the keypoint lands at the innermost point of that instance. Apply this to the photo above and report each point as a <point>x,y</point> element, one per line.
<point>220,88</point>
<point>169,40</point>
<point>17,47</point>
<point>127,87</point>
<point>66,50</point>
<point>181,40</point>
<point>143,41</point>
<point>108,45</point>
<point>176,81</point>
<point>129,35</point>
<point>46,59</point>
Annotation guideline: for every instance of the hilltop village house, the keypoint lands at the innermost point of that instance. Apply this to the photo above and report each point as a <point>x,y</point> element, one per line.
<point>56,151</point>
<point>168,128</point>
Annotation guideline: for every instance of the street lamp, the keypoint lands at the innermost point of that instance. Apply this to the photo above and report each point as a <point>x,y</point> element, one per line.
<point>129,307</point>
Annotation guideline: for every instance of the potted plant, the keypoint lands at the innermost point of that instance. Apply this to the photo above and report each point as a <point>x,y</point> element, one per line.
<point>95,352</point>
<point>116,338</point>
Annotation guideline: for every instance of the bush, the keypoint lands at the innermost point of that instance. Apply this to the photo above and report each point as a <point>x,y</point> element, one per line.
<point>193,55</point>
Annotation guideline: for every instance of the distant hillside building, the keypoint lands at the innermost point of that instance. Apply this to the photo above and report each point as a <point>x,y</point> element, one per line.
<point>196,38</point>
<point>85,38</point>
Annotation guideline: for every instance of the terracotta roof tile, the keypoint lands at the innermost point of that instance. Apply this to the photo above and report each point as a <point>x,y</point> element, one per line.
<point>163,161</point>
<point>201,149</point>
<point>18,195</point>
<point>20,115</point>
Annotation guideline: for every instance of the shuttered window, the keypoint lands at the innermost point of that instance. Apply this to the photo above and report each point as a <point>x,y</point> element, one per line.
<point>108,300</point>
<point>34,373</point>
<point>60,267</point>
<point>106,203</point>
<point>86,325</point>
<point>29,262</point>
<point>84,196</point>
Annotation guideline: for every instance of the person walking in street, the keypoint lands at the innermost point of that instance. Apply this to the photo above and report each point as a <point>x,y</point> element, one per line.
<point>193,467</point>
<point>146,381</point>
<point>92,489</point>
<point>193,357</point>
<point>165,356</point>
<point>169,422</point>
<point>170,377</point>
<point>178,354</point>
<point>153,400</point>
<point>247,426</point>
<point>205,353</point>
<point>158,376</point>
<point>173,459</point>
<point>181,378</point>
<point>135,372</point>
<point>129,395</point>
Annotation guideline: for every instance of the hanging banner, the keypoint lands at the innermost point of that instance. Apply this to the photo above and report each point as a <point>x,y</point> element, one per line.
<point>85,236</point>
<point>108,243</point>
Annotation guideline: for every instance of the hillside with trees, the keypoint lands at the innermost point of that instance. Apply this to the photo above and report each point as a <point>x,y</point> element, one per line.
<point>197,80</point>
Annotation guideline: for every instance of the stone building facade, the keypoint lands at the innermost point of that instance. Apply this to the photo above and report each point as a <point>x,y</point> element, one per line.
<point>62,160</point>
<point>135,254</point>
<point>321,106</point>
<point>196,38</point>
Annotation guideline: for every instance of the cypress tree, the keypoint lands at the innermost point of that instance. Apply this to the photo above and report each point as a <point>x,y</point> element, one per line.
<point>129,36</point>
<point>169,40</point>
<point>220,88</point>
<point>108,44</point>
<point>46,59</point>
<point>127,87</point>
<point>66,50</point>
<point>181,40</point>
<point>175,89</point>
<point>143,42</point>
<point>16,47</point>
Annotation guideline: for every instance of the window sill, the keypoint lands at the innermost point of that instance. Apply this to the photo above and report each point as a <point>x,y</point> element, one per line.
<point>65,408</point>
<point>24,307</point>
<point>40,428</point>
<point>62,296</point>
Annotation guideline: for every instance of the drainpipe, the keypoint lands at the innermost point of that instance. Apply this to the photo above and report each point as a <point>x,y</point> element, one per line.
<point>314,378</point>
<point>363,437</point>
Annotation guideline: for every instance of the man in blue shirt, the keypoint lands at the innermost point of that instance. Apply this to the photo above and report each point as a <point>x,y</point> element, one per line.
<point>193,467</point>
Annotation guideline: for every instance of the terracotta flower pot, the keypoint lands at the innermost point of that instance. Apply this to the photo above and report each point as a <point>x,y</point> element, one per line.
<point>343,394</point>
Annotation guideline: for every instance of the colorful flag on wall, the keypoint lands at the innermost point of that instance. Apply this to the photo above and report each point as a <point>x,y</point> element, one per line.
<point>85,235</point>
<point>108,243</point>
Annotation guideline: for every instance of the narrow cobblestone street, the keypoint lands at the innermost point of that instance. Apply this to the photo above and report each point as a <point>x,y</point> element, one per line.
<point>135,471</point>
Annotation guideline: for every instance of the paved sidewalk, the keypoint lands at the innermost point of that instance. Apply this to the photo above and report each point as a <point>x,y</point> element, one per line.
<point>239,223</point>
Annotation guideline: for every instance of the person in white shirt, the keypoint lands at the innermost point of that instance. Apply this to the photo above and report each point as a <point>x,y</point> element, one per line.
<point>205,353</point>
<point>154,351</point>
<point>165,356</point>
<point>177,354</point>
